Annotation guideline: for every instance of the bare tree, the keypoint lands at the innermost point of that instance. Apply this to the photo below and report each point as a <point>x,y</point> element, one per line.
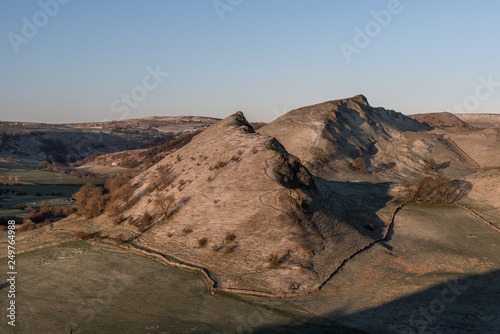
<point>430,166</point>
<point>431,190</point>
<point>166,203</point>
<point>45,207</point>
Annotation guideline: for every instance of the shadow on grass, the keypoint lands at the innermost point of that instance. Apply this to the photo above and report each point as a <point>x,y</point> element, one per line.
<point>467,305</point>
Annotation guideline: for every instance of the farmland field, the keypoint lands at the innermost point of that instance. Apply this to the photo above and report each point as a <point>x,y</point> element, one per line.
<point>22,184</point>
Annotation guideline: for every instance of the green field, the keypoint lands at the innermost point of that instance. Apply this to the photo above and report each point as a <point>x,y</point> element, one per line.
<point>92,289</point>
<point>14,128</point>
<point>42,177</point>
<point>25,184</point>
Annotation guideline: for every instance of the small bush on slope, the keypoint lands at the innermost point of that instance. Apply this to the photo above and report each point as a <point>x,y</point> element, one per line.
<point>431,190</point>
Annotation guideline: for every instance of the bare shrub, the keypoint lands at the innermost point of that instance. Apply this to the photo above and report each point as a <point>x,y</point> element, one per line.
<point>44,223</point>
<point>359,164</point>
<point>21,206</point>
<point>43,164</point>
<point>27,225</point>
<point>187,230</point>
<point>61,211</point>
<point>430,166</point>
<point>118,220</point>
<point>202,242</point>
<point>220,164</point>
<point>120,239</point>
<point>36,216</point>
<point>217,248</point>
<point>114,209</point>
<point>274,260</point>
<point>369,227</point>
<point>163,177</point>
<point>230,237</point>
<point>84,235</point>
<point>143,223</point>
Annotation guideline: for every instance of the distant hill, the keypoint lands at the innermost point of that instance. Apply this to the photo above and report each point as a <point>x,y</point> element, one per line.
<point>482,121</point>
<point>164,124</point>
<point>442,120</point>
<point>63,146</point>
<point>65,143</point>
<point>33,142</point>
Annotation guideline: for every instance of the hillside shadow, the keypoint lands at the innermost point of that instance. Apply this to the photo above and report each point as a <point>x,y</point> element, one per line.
<point>360,202</point>
<point>467,305</point>
<point>443,165</point>
<point>351,140</point>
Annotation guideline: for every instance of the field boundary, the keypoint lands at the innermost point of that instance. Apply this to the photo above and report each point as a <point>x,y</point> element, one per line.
<point>213,283</point>
<point>462,151</point>
<point>477,216</point>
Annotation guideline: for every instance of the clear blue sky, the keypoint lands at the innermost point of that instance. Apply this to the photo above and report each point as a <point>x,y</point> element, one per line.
<point>265,57</point>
